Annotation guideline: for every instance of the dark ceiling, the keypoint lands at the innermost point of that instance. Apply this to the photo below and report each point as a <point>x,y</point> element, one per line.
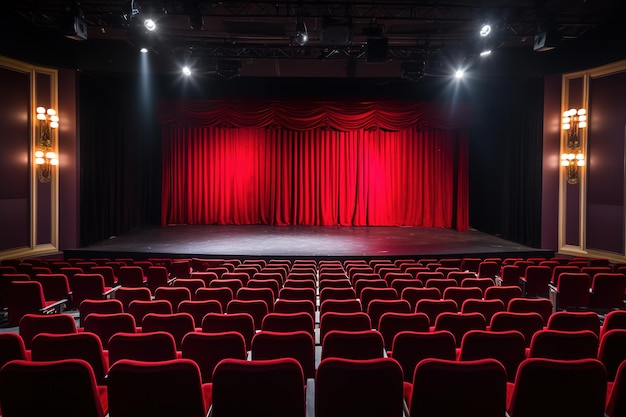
<point>346,38</point>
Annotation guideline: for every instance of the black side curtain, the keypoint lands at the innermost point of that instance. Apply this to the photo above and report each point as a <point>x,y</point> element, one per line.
<point>506,151</point>
<point>119,157</point>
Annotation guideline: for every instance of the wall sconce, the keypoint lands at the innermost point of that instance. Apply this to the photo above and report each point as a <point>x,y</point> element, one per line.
<point>45,157</point>
<point>573,157</point>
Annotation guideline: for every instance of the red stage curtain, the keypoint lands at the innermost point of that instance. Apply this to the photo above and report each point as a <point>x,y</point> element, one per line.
<point>249,165</point>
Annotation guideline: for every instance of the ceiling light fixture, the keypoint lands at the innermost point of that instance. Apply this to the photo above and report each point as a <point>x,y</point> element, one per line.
<point>186,71</point>
<point>302,35</point>
<point>149,24</point>
<point>485,30</point>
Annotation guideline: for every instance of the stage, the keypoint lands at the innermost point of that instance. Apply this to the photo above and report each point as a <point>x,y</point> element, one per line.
<point>317,242</point>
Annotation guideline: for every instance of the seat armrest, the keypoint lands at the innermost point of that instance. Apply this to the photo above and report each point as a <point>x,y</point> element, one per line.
<point>111,292</point>
<point>310,397</point>
<point>57,307</point>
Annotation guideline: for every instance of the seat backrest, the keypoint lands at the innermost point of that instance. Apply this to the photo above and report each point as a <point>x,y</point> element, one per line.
<point>432,308</point>
<point>21,298</point>
<point>272,284</point>
<point>556,344</point>
<point>156,276</point>
<point>126,295</point>
<point>192,284</point>
<point>295,306</point>
<point>131,276</point>
<point>340,306</point>
<point>173,294</point>
<point>199,309</point>
<point>328,293</point>
<point>263,294</point>
<point>289,322</point>
<point>508,347</point>
<point>233,284</point>
<point>458,388</point>
<point>32,324</point>
<point>615,319</point>
<point>537,280</point>
<point>460,294</point>
<point>139,308</point>
<point>221,295</point>
<point>176,324</point>
<point>106,325</point>
<point>616,403</point>
<point>298,345</point>
<point>485,307</point>
<point>11,347</point>
<point>258,388</point>
<point>242,323</point>
<point>376,308</point>
<point>367,344</point>
<point>482,283</point>
<point>55,286</point>
<point>573,290</point>
<point>367,388</point>
<point>30,389</point>
<point>107,272</point>
<point>297,294</point>
<point>392,323</point>
<point>542,306</point>
<point>84,345</point>
<point>369,294</point>
<point>168,388</point>
<point>460,323</point>
<point>258,309</point>
<point>357,321</point>
<point>526,323</point>
<point>612,351</point>
<point>509,275</point>
<point>361,284</point>
<point>502,293</point>
<point>575,387</point>
<point>107,306</point>
<point>413,295</point>
<point>574,320</point>
<point>208,349</point>
<point>148,347</point>
<point>607,290</point>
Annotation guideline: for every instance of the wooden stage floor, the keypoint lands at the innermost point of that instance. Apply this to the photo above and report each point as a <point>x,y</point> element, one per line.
<point>318,242</point>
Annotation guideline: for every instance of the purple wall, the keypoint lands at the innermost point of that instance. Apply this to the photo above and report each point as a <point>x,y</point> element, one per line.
<point>605,163</point>
<point>551,160</point>
<point>69,163</point>
<point>14,159</point>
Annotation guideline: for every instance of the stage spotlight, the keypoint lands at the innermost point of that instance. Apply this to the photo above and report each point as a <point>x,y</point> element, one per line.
<point>144,50</point>
<point>302,35</point>
<point>485,52</point>
<point>485,30</point>
<point>186,71</point>
<point>459,74</point>
<point>149,24</point>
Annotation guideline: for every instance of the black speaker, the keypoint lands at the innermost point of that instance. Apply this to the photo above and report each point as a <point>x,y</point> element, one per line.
<point>377,49</point>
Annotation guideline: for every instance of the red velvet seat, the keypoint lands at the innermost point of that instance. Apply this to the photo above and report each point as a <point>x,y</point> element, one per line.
<point>574,320</point>
<point>556,344</point>
<point>355,321</point>
<point>376,309</point>
<point>526,323</point>
<point>146,347</point>
<point>508,348</point>
<point>541,306</point>
<point>365,388</point>
<point>298,345</point>
<point>433,308</point>
<point>65,387</point>
<point>109,306</point>
<point>106,325</point>
<point>26,297</point>
<point>558,388</point>
<point>288,322</point>
<point>391,323</point>
<point>33,324</point>
<point>84,345</point>
<point>458,389</point>
<point>241,323</point>
<point>208,349</point>
<point>174,295</point>
<point>221,295</point>
<point>167,388</point>
<point>258,388</point>
<point>367,344</point>
<point>460,323</point>
<point>176,324</point>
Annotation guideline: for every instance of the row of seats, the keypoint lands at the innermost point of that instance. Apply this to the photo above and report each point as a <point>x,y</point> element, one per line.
<point>342,335</point>
<point>340,386</point>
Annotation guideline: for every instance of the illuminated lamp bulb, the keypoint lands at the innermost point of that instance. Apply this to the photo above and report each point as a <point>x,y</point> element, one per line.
<point>39,154</point>
<point>54,161</point>
<point>51,112</point>
<point>571,156</point>
<point>581,112</point>
<point>50,155</point>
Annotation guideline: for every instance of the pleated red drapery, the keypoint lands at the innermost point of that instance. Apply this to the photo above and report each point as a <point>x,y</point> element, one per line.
<point>321,163</point>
